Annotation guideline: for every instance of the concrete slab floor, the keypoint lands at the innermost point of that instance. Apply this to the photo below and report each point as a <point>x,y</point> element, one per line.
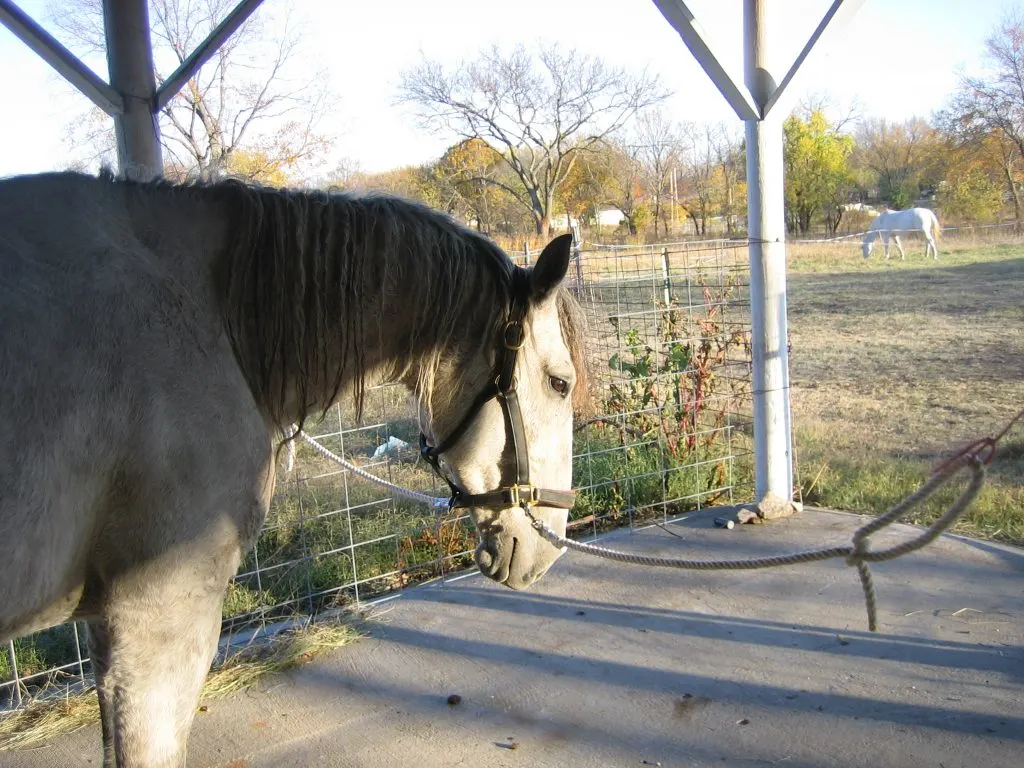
<point>609,665</point>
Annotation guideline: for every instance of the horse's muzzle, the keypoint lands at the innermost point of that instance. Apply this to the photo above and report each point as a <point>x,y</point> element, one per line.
<point>516,555</point>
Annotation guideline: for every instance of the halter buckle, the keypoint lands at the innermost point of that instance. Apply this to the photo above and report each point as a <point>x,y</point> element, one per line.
<point>516,497</point>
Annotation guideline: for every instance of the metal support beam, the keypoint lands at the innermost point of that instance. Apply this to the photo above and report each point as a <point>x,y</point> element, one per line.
<point>681,18</point>
<point>204,51</point>
<point>69,66</point>
<point>130,58</point>
<point>131,98</point>
<point>766,228</point>
<point>836,19</point>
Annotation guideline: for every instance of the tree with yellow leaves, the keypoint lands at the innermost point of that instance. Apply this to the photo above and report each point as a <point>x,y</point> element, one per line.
<point>816,158</point>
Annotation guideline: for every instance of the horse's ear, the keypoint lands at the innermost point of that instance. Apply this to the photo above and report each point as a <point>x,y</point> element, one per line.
<point>550,269</point>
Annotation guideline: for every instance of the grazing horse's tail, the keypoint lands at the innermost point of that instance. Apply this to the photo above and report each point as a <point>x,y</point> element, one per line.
<point>936,228</point>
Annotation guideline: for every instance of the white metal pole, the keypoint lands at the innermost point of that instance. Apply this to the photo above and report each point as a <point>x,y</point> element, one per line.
<point>766,228</point>
<point>130,58</point>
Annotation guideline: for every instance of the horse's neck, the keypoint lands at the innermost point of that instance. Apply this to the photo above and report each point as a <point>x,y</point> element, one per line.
<point>412,324</point>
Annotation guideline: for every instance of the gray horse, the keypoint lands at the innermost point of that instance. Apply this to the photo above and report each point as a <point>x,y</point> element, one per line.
<point>156,339</point>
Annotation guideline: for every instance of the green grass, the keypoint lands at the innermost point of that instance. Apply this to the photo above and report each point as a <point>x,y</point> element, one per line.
<point>869,484</point>
<point>40,652</point>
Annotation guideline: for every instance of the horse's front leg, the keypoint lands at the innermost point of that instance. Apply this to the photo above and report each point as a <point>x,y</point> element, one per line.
<point>150,680</point>
<point>152,645</point>
<point>154,656</point>
<point>885,244</point>
<point>899,245</point>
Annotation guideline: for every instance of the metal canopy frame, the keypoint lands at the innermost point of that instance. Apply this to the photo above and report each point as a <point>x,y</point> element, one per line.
<point>132,97</point>
<point>133,100</point>
<point>60,58</point>
<point>757,103</point>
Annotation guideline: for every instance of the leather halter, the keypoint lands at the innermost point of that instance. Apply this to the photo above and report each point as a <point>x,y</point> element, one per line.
<point>520,493</point>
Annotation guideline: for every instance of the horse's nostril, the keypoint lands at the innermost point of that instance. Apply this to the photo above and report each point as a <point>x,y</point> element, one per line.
<point>484,559</point>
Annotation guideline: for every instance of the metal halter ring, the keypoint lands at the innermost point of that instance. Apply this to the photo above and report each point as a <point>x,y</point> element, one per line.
<point>513,385</point>
<point>517,326</point>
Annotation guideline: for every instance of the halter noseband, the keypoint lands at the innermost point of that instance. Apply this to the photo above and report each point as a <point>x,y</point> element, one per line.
<point>503,388</point>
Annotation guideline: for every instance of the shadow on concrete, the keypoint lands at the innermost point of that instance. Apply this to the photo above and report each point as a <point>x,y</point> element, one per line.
<point>632,677</point>
<point>557,728</point>
<point>805,637</point>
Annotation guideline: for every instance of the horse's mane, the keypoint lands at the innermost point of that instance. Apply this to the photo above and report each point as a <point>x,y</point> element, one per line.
<point>304,279</point>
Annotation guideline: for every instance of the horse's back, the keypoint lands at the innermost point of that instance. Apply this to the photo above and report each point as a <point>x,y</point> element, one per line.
<point>909,219</point>
<point>111,363</point>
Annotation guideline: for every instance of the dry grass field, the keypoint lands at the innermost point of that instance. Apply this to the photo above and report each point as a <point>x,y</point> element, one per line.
<point>895,363</point>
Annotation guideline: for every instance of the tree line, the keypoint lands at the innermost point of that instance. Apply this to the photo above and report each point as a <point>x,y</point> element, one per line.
<point>541,138</point>
<point>558,136</point>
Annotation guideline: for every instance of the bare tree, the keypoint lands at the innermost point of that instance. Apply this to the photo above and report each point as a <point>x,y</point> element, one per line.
<point>841,116</point>
<point>699,166</point>
<point>988,109</point>
<point>244,113</point>
<point>541,112</point>
<point>343,176</point>
<point>899,158</point>
<point>727,146</point>
<point>657,144</point>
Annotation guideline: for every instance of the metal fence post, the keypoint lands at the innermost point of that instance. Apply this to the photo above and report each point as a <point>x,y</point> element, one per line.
<point>576,255</point>
<point>666,277</point>
<point>14,672</point>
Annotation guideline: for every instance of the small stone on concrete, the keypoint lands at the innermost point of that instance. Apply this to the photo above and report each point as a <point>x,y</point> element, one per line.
<point>747,516</point>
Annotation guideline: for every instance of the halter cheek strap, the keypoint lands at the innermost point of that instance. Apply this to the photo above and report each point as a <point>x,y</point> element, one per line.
<point>503,388</point>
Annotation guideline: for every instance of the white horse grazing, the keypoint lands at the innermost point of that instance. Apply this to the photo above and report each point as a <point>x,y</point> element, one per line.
<point>888,222</point>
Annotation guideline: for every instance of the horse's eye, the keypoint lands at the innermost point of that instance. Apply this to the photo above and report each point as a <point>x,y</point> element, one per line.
<point>561,386</point>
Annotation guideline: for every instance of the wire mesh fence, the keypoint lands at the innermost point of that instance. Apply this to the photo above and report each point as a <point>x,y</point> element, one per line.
<point>668,433</point>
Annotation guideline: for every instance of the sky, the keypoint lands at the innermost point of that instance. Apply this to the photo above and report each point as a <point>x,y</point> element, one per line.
<point>897,59</point>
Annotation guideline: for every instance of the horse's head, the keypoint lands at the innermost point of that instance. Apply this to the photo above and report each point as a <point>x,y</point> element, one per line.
<point>507,437</point>
<point>865,246</point>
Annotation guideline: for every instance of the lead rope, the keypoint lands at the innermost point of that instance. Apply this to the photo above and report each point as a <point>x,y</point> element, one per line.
<point>432,501</point>
<point>858,554</point>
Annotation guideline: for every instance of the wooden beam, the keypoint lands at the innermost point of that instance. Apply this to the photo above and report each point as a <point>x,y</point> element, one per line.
<point>60,58</point>
<point>682,20</point>
<point>204,51</point>
<point>835,19</point>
